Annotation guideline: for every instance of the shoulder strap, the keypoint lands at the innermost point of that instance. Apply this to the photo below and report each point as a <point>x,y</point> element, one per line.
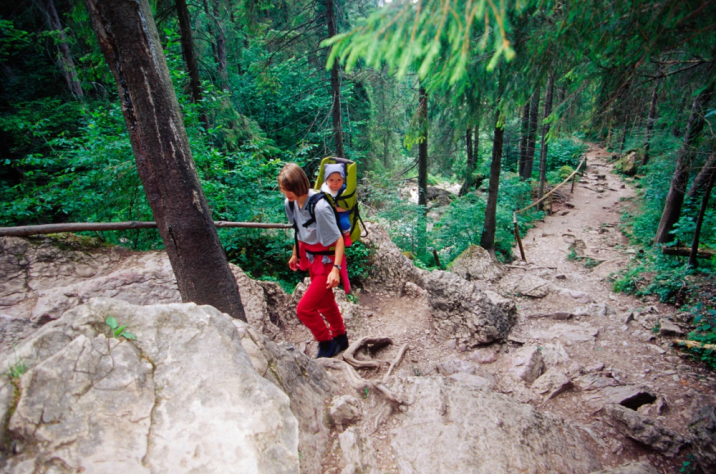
<point>311,206</point>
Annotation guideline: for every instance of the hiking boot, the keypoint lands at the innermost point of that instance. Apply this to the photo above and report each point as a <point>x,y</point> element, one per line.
<point>342,342</point>
<point>328,349</point>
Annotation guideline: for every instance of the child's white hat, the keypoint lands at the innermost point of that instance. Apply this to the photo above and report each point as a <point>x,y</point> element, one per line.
<point>330,169</point>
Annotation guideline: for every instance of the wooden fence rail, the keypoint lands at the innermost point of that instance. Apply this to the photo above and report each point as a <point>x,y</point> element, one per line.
<point>24,231</point>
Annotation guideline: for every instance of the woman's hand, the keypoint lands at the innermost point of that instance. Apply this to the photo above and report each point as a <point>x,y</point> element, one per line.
<point>334,278</point>
<point>293,262</point>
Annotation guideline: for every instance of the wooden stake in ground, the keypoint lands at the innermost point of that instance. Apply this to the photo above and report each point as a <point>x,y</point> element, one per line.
<point>129,41</point>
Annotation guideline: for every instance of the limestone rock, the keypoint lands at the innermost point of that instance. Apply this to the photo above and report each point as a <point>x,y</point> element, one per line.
<point>630,396</point>
<point>462,312</point>
<point>644,430</point>
<point>475,263</point>
<point>358,453</point>
<point>183,396</point>
<point>526,285</point>
<point>668,328</point>
<point>411,290</point>
<point>569,333</point>
<point>577,295</point>
<point>439,196</point>
<point>473,380</point>
<point>527,364</point>
<point>553,382</point>
<point>453,427</point>
<point>628,164</point>
<point>344,410</point>
<point>453,366</point>
<point>55,278</point>
<point>390,269</point>
<point>484,355</point>
<point>702,431</point>
<point>555,355</point>
<point>630,468</point>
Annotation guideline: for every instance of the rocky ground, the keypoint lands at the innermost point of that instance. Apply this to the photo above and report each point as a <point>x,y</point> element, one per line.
<point>530,367</point>
<point>581,345</point>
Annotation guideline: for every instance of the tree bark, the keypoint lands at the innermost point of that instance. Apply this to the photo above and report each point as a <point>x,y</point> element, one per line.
<point>187,47</point>
<point>532,137</point>
<point>129,41</point>
<point>525,131</point>
<point>675,198</point>
<point>650,122</point>
<point>470,165</point>
<point>64,58</point>
<point>487,240</point>
<point>545,131</point>
<point>708,170</point>
<point>335,85</point>
<point>423,147</point>
<point>693,256</point>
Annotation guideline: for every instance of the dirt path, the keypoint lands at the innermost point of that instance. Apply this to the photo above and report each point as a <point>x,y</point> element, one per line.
<point>606,341</point>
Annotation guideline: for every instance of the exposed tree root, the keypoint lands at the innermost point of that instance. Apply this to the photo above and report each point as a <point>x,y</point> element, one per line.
<point>358,382</point>
<point>349,354</point>
<point>395,362</point>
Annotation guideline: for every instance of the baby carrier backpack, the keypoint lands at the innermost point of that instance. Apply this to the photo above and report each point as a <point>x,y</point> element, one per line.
<point>347,198</point>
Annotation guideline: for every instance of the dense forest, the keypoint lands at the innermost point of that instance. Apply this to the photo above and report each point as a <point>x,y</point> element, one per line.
<point>496,98</point>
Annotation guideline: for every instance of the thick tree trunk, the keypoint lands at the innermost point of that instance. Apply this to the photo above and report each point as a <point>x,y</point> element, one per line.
<point>675,198</point>
<point>650,122</point>
<point>487,240</point>
<point>423,147</point>
<point>220,44</point>
<point>693,256</point>
<point>64,58</point>
<point>545,131</point>
<point>532,137</point>
<point>187,46</point>
<point>525,131</point>
<point>708,170</point>
<point>130,43</point>
<point>335,85</point>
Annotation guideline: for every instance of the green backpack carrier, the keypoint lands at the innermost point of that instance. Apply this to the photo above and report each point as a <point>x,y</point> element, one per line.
<point>346,199</point>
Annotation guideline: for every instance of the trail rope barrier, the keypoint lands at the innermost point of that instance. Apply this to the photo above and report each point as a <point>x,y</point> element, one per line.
<point>572,177</point>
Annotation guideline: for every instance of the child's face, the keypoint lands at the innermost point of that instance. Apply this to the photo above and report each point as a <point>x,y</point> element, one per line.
<point>335,181</point>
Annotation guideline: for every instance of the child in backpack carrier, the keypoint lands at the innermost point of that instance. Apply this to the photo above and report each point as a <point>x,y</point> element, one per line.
<point>334,184</point>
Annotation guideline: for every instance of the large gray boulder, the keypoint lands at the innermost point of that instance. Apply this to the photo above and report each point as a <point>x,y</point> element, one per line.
<point>638,427</point>
<point>630,468</point>
<point>463,312</point>
<point>390,269</point>
<point>475,263</point>
<point>452,427</point>
<point>184,396</point>
<point>702,431</point>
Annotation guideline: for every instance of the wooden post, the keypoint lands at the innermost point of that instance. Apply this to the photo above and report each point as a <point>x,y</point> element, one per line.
<point>574,178</point>
<point>551,196</point>
<point>437,259</point>
<point>517,236</point>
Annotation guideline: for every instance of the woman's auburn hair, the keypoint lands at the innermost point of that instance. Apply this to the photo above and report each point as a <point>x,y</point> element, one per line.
<point>293,179</point>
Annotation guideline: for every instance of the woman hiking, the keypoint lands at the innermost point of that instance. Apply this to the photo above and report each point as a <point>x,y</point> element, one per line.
<point>319,245</point>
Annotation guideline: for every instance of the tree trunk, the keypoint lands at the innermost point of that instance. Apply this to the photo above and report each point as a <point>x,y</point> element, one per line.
<point>129,41</point>
<point>545,131</point>
<point>650,122</point>
<point>487,240</point>
<point>693,256</point>
<point>423,147</point>
<point>675,198</point>
<point>708,170</point>
<point>532,137</point>
<point>220,44</point>
<point>335,85</point>
<point>470,165</point>
<point>187,47</point>
<point>64,58</point>
<point>525,131</point>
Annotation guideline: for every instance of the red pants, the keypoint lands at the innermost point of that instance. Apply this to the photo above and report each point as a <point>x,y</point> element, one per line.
<point>319,300</point>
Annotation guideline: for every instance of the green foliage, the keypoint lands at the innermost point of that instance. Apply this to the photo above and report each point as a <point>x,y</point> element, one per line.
<point>118,331</point>
<point>17,370</point>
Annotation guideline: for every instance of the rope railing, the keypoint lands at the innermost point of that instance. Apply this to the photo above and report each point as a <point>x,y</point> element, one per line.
<point>572,176</point>
<point>27,230</point>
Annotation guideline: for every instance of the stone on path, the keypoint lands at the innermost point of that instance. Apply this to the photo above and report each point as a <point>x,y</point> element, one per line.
<point>630,468</point>
<point>461,311</point>
<point>569,333</point>
<point>553,382</point>
<point>640,428</point>
<point>475,263</point>
<point>702,432</point>
<point>466,429</point>
<point>526,364</point>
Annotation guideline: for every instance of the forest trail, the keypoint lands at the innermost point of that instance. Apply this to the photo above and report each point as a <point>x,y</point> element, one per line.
<point>568,312</point>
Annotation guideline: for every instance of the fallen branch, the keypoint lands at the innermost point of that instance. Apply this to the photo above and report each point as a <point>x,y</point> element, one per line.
<point>686,251</point>
<point>358,382</point>
<point>694,344</point>
<point>349,354</point>
<point>395,362</point>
